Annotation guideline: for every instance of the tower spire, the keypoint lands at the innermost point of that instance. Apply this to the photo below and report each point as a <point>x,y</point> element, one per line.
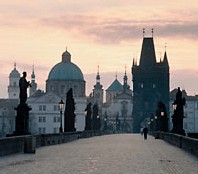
<point>33,88</point>
<point>143,32</point>
<point>165,46</point>
<point>33,74</point>
<point>152,31</point>
<point>98,76</point>
<point>125,85</point>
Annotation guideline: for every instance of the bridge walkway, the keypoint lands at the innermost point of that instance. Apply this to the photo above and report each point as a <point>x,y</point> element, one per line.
<point>109,154</point>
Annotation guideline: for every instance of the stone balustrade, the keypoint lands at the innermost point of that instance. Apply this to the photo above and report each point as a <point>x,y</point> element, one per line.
<point>29,143</point>
<point>186,143</point>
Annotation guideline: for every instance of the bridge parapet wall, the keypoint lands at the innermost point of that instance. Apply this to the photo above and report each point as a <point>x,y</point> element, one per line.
<point>186,143</point>
<point>11,145</point>
<point>29,143</point>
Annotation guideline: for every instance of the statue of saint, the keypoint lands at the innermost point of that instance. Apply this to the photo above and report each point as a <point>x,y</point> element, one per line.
<point>23,85</point>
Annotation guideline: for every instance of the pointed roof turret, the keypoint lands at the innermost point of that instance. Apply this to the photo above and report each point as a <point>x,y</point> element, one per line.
<point>115,86</point>
<point>33,74</point>
<point>147,57</point>
<point>165,60</point>
<point>98,85</point>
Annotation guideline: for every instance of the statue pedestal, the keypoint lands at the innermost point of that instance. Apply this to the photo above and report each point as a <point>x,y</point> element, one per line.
<point>22,120</point>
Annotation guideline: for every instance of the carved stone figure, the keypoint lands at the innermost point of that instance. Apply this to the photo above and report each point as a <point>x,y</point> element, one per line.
<point>23,85</point>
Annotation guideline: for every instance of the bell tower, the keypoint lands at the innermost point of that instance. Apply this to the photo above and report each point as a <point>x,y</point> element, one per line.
<point>13,88</point>
<point>98,91</point>
<point>33,83</point>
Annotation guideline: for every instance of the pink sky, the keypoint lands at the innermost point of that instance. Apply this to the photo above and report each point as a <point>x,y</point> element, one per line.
<point>97,32</point>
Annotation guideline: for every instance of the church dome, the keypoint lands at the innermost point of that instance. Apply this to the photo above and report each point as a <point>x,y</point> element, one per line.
<point>14,73</point>
<point>65,70</point>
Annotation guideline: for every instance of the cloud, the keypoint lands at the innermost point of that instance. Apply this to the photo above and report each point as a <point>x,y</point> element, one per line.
<point>117,30</point>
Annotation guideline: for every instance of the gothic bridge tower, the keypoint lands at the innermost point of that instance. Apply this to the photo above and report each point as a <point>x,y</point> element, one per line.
<point>150,83</point>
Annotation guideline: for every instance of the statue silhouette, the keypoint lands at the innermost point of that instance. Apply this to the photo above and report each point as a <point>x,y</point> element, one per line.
<point>23,85</point>
<point>22,117</point>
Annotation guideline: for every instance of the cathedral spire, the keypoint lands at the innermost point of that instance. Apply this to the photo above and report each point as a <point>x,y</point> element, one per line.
<point>98,91</point>
<point>152,32</point>
<point>98,85</point>
<point>33,75</point>
<point>125,85</point>
<point>98,76</point>
<point>14,65</point>
<point>143,32</point>
<point>33,88</point>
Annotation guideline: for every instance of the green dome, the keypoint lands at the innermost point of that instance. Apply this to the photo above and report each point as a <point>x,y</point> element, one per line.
<point>65,70</point>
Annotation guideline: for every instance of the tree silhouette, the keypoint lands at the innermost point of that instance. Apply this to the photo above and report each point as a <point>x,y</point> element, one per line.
<point>88,117</point>
<point>96,118</point>
<point>69,123</point>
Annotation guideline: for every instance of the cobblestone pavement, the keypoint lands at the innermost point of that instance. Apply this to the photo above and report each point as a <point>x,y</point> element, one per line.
<point>110,154</point>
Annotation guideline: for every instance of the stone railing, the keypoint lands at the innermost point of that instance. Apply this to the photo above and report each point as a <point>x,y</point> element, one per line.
<point>186,143</point>
<point>29,143</point>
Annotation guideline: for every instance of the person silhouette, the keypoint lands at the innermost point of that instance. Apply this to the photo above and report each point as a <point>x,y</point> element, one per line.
<point>145,131</point>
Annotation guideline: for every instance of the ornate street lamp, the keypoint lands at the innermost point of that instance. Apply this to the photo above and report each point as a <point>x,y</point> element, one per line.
<point>174,105</point>
<point>61,106</point>
<point>162,113</point>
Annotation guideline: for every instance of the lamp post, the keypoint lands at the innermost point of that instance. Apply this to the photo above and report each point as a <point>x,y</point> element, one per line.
<point>105,123</point>
<point>156,123</point>
<point>174,117</point>
<point>151,125</point>
<point>61,105</point>
<point>162,121</point>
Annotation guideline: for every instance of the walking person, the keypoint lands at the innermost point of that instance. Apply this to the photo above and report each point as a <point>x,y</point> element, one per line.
<point>145,131</point>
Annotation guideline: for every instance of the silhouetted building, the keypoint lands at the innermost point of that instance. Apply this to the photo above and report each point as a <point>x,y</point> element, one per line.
<point>45,114</point>
<point>98,94</point>
<point>117,111</point>
<point>150,83</point>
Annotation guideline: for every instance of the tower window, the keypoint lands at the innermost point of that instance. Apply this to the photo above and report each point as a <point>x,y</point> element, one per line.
<point>154,85</point>
<point>52,88</point>
<point>142,85</point>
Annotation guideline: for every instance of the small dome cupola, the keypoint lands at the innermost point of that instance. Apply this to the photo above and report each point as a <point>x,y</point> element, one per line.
<point>14,73</point>
<point>66,56</point>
